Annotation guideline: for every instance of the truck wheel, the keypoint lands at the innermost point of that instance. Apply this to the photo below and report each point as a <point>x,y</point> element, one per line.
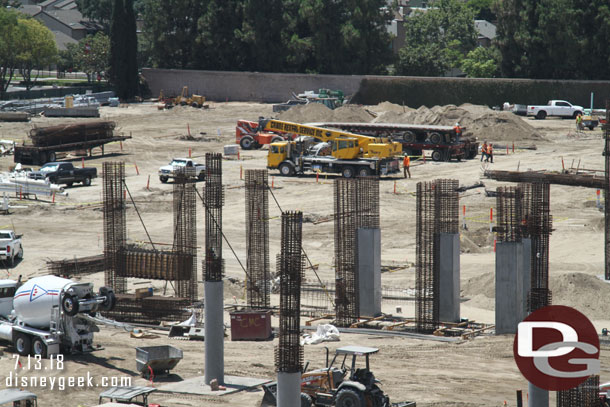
<point>42,158</point>
<point>23,343</point>
<point>591,128</point>
<point>541,115</point>
<point>246,142</point>
<point>575,114</point>
<point>163,179</point>
<point>195,105</point>
<point>277,139</point>
<point>201,176</point>
<point>11,261</point>
<point>306,400</point>
<point>110,300</point>
<point>39,348</point>
<point>86,181</point>
<point>435,138</point>
<point>364,171</point>
<point>408,137</point>
<point>348,172</point>
<point>349,398</point>
<point>52,156</point>
<point>169,105</point>
<point>437,155</point>
<point>286,169</point>
<point>20,254</point>
<point>69,304</point>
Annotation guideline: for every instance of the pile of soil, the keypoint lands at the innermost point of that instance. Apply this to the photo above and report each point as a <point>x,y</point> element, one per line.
<point>587,293</point>
<point>479,121</point>
<point>317,112</point>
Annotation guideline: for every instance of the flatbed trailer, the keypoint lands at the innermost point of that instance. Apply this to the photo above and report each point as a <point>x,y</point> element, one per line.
<point>348,168</point>
<point>443,141</point>
<point>39,155</point>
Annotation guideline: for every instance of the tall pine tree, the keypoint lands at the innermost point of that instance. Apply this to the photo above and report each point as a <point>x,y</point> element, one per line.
<point>123,50</point>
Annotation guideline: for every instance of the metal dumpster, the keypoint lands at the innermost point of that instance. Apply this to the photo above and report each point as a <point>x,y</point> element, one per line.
<point>159,359</point>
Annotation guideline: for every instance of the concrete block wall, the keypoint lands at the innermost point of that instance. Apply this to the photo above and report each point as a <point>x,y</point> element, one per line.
<point>244,86</point>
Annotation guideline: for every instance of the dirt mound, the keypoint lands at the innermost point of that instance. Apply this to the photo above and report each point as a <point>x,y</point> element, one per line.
<point>390,107</point>
<point>479,121</point>
<point>585,292</point>
<point>317,112</point>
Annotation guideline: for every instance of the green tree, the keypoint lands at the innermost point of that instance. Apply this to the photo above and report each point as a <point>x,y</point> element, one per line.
<point>10,3</point>
<point>437,40</point>
<point>482,9</point>
<point>92,55</point>
<point>35,48</point>
<point>8,51</point>
<point>171,31</point>
<point>98,10</point>
<point>481,62</point>
<point>123,70</point>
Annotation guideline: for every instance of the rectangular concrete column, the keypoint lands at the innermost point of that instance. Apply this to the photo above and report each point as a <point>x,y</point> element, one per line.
<point>527,275</point>
<point>509,286</point>
<point>214,332</point>
<point>449,277</point>
<point>288,389</point>
<point>369,271</point>
<point>537,397</point>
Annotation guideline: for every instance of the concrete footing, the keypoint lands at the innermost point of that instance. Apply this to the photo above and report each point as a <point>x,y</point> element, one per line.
<point>288,389</point>
<point>449,277</point>
<point>513,270</point>
<point>369,272</point>
<point>537,397</point>
<point>214,332</point>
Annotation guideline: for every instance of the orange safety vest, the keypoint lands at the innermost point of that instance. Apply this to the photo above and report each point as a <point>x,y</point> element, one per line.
<point>490,149</point>
<point>406,161</point>
<point>458,130</point>
<point>484,148</point>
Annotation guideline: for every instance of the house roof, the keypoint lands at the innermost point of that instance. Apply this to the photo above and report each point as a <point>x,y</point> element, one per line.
<point>62,40</point>
<point>71,18</point>
<point>65,4</point>
<point>30,10</point>
<point>48,3</point>
<point>485,29</point>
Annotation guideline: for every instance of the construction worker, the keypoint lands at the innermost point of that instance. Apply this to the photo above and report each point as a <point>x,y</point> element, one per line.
<point>579,122</point>
<point>490,153</point>
<point>484,151</point>
<point>406,163</point>
<point>458,130</point>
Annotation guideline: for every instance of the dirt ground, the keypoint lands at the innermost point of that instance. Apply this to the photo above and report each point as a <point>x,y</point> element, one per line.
<point>478,372</point>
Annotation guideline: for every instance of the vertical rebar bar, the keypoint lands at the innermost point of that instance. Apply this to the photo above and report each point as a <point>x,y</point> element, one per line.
<point>607,193</point>
<point>289,353</point>
<point>539,227</point>
<point>213,200</point>
<point>257,238</point>
<point>114,223</point>
<point>185,234</point>
<point>510,218</point>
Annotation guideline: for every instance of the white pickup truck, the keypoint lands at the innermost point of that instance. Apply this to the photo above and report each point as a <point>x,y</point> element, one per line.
<point>559,108</point>
<point>10,247</point>
<point>169,171</point>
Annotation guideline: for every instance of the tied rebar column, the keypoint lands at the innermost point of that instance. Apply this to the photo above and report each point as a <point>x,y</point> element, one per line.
<point>510,214</point>
<point>607,194</point>
<point>257,238</point>
<point>426,275</point>
<point>356,204</point>
<point>289,352</point>
<point>213,199</point>
<point>114,223</point>
<point>539,225</point>
<point>585,394</point>
<point>437,215</point>
<point>185,234</point>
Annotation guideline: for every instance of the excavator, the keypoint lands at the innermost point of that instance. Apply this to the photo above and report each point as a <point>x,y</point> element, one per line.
<point>319,149</point>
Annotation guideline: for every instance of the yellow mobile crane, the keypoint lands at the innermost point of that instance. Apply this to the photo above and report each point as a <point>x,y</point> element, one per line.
<point>337,151</point>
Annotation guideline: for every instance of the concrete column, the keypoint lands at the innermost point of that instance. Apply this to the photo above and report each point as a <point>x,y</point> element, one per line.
<point>214,332</point>
<point>288,389</point>
<point>527,274</point>
<point>509,286</point>
<point>537,397</point>
<point>449,277</point>
<point>369,271</point>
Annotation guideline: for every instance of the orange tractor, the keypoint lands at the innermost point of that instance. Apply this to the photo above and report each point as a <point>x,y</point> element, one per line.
<point>249,138</point>
<point>342,383</point>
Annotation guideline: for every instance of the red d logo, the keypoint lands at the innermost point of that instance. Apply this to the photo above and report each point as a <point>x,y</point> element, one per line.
<point>556,348</point>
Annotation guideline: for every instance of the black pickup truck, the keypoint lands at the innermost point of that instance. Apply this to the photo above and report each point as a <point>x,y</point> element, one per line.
<point>64,173</point>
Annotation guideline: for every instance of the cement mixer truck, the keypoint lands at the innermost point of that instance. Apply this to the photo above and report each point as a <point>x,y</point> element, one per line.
<point>49,315</point>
